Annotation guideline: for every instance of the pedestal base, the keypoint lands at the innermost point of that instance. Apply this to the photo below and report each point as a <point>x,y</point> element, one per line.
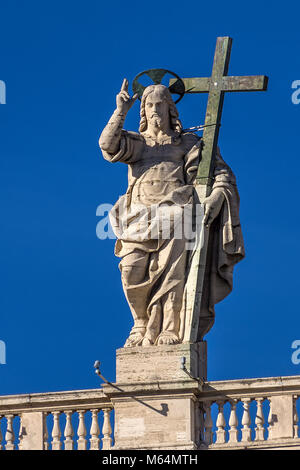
<point>155,401</point>
<point>161,363</point>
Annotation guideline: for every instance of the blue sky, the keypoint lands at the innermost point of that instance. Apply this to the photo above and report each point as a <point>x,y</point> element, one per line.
<point>61,300</point>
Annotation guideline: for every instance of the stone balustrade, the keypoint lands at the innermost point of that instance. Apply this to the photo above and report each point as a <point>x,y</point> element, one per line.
<point>56,421</point>
<point>251,413</point>
<point>233,414</point>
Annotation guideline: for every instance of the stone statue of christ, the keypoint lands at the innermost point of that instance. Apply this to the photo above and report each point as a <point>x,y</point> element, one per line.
<point>162,166</point>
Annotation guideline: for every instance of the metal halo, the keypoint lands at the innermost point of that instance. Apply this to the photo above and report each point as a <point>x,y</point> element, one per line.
<point>156,75</point>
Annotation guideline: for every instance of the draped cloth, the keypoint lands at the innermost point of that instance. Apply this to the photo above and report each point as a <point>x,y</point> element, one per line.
<point>225,249</point>
<point>153,223</point>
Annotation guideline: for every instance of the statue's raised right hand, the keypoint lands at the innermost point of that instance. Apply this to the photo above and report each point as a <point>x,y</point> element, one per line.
<point>124,102</point>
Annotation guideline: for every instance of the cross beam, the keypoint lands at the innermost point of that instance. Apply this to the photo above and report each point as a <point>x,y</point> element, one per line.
<point>216,85</point>
<point>243,83</point>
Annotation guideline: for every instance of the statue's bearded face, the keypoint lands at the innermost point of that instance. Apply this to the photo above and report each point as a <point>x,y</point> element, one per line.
<point>157,110</point>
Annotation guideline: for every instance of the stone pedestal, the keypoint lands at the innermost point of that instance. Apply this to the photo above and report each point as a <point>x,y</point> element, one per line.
<point>160,363</point>
<point>155,400</point>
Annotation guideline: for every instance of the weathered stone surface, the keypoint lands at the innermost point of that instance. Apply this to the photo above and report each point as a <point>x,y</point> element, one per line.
<point>281,418</point>
<point>155,401</point>
<point>32,431</point>
<point>161,363</point>
<point>155,423</point>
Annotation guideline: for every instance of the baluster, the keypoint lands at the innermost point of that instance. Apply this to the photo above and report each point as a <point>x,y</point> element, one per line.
<point>45,430</point>
<point>270,419</point>
<point>95,431</point>
<point>208,424</point>
<point>233,422</point>
<point>295,416</point>
<point>9,436</point>
<point>81,443</point>
<point>246,421</point>
<point>1,437</point>
<point>68,432</point>
<point>220,433</point>
<point>259,421</point>
<point>20,443</point>
<point>56,434</point>
<point>106,430</point>
<point>199,424</point>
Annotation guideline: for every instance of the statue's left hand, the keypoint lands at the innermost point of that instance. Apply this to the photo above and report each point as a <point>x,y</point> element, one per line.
<point>212,206</point>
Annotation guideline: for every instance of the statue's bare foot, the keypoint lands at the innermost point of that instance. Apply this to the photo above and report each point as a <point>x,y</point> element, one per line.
<point>167,337</point>
<point>134,339</point>
<point>147,342</point>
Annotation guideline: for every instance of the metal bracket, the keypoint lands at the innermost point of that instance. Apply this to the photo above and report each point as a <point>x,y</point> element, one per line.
<point>184,369</point>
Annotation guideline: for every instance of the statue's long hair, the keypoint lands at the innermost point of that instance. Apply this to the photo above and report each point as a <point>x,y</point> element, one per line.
<point>174,119</point>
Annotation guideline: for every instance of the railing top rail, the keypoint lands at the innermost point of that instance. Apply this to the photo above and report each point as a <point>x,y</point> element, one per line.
<point>49,401</point>
<point>256,387</point>
<point>96,398</point>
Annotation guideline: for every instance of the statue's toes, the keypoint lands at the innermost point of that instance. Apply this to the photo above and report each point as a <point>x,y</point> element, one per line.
<point>147,342</point>
<point>131,342</point>
<point>168,339</point>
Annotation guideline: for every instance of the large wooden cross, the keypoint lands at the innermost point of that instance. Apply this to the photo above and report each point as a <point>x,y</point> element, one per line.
<point>215,86</point>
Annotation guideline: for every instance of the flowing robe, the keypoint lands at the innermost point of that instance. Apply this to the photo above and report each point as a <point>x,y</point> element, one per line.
<point>153,224</point>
